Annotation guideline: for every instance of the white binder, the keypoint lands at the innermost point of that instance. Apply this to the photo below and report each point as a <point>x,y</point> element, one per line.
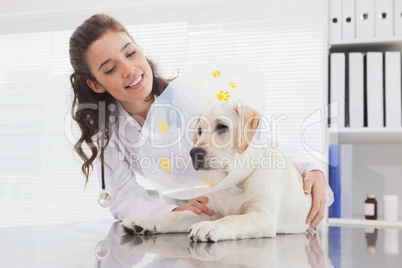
<point>384,18</point>
<point>337,90</point>
<point>356,89</point>
<point>398,17</point>
<point>335,17</point>
<point>348,19</point>
<point>364,19</point>
<point>393,89</point>
<point>375,97</point>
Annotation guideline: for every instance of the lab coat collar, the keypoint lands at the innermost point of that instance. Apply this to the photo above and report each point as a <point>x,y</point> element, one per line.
<point>127,117</point>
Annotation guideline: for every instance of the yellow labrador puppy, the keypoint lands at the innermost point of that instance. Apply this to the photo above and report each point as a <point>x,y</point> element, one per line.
<point>269,201</point>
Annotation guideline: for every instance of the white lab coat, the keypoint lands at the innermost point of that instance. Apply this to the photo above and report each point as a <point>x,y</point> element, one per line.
<point>129,198</point>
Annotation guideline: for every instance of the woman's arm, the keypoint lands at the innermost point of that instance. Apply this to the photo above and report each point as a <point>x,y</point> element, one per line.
<point>129,198</point>
<point>314,184</point>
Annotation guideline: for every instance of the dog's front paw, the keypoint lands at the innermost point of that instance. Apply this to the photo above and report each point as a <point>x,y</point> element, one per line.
<point>209,231</point>
<point>139,226</point>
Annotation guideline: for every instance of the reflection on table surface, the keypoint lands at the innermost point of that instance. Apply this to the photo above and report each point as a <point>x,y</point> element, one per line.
<point>103,244</point>
<point>364,247</point>
<point>176,250</point>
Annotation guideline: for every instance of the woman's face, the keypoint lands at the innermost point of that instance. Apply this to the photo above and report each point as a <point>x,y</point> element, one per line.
<point>119,67</point>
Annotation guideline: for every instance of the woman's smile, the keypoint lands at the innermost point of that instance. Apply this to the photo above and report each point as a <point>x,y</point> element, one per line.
<point>136,83</point>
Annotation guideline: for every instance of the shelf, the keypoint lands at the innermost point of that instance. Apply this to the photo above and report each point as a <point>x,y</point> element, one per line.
<point>371,41</point>
<point>366,135</point>
<point>364,223</point>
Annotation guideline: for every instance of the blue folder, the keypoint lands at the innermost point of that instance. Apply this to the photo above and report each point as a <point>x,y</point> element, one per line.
<point>334,180</point>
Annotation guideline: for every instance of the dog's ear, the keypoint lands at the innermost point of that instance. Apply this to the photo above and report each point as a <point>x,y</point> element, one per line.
<point>195,131</point>
<point>249,120</point>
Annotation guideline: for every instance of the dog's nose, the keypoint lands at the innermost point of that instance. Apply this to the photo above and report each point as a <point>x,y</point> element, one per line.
<point>197,152</point>
<point>197,155</point>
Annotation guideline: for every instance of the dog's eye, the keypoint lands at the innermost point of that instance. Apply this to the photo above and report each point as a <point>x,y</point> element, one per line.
<point>199,131</point>
<point>221,128</point>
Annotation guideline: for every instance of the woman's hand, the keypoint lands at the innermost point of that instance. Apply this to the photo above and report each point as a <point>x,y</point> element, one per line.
<point>314,183</point>
<point>197,205</point>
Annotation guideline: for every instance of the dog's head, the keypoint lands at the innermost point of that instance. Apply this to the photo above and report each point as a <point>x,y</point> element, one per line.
<point>220,133</point>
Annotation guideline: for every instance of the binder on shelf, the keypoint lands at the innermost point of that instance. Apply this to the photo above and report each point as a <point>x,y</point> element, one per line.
<point>384,18</point>
<point>334,180</point>
<point>375,97</point>
<point>356,89</point>
<point>364,19</point>
<point>398,18</point>
<point>335,17</point>
<point>393,109</point>
<point>337,90</point>
<point>348,19</point>
<point>346,177</point>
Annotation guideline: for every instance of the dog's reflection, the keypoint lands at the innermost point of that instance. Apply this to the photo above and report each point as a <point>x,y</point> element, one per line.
<point>283,251</point>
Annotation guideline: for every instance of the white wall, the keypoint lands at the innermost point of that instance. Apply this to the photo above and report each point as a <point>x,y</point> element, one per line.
<point>18,7</point>
<point>49,187</point>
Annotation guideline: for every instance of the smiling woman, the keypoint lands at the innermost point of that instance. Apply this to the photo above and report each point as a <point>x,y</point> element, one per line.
<point>108,66</point>
<point>284,38</point>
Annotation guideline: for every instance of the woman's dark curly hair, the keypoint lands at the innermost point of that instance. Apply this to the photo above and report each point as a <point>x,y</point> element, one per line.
<point>86,103</point>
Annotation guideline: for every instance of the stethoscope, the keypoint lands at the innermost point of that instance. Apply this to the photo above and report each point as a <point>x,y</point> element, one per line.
<point>104,197</point>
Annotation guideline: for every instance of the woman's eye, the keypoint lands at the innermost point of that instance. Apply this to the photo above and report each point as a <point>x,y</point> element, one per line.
<point>111,70</point>
<point>199,131</point>
<point>221,128</point>
<point>131,54</point>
